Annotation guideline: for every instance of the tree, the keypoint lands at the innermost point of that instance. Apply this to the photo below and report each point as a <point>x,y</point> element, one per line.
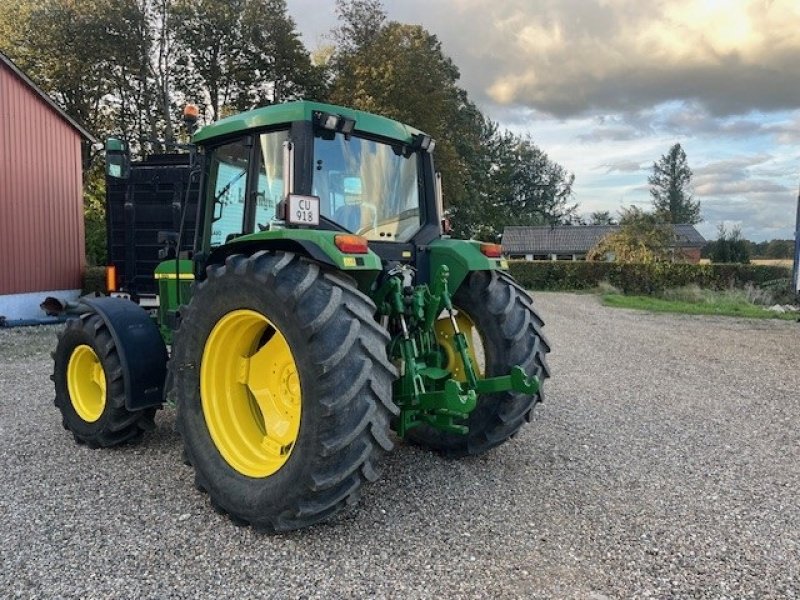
<point>777,249</point>
<point>601,217</point>
<point>360,22</point>
<point>278,66</point>
<point>238,54</point>
<point>104,61</point>
<point>525,186</point>
<point>729,246</point>
<point>670,188</point>
<point>642,238</point>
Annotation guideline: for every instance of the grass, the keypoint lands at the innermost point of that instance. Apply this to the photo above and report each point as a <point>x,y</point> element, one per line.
<point>709,305</point>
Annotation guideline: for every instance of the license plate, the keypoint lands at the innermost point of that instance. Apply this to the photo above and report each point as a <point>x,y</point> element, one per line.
<point>303,210</point>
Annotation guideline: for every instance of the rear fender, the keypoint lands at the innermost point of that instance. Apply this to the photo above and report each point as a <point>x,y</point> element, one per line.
<point>461,258</point>
<point>314,244</point>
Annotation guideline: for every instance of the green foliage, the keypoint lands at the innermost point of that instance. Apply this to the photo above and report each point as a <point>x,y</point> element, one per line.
<point>781,290</point>
<point>640,278</point>
<point>601,217</point>
<point>238,54</point>
<point>729,247</point>
<point>775,249</point>
<point>525,186</point>
<point>670,188</point>
<point>94,212</point>
<point>642,238</point>
<point>122,66</point>
<point>94,280</point>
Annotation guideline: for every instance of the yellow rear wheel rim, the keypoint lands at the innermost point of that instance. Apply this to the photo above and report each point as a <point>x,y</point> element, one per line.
<point>443,329</point>
<point>86,383</point>
<point>250,393</point>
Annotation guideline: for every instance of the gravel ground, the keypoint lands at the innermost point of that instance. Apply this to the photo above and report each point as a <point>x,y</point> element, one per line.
<point>665,463</point>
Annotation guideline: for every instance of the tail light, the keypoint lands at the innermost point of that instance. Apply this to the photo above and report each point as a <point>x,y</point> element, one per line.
<point>111,278</point>
<point>492,250</point>
<point>351,244</point>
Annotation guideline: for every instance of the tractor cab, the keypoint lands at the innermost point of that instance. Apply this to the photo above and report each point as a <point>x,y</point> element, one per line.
<point>310,166</point>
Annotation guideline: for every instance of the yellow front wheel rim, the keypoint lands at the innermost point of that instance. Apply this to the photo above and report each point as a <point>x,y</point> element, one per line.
<point>86,383</point>
<point>443,329</point>
<point>250,393</point>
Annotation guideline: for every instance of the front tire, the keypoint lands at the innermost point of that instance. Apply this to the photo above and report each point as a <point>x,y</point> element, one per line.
<point>510,330</point>
<point>285,416</point>
<point>90,390</point>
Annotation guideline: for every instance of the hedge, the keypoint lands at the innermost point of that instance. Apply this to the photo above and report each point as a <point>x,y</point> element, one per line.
<point>640,278</point>
<point>584,275</point>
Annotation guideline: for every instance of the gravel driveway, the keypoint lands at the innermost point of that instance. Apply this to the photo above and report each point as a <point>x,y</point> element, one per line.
<point>665,463</point>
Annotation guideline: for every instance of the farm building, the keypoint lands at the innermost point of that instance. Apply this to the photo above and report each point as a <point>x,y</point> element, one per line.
<point>41,224</point>
<point>573,242</point>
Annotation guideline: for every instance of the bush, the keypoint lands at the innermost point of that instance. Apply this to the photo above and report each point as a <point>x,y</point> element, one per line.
<point>781,290</point>
<point>633,278</point>
<point>94,280</point>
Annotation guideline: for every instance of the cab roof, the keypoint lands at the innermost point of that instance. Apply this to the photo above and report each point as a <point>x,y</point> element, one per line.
<point>279,114</point>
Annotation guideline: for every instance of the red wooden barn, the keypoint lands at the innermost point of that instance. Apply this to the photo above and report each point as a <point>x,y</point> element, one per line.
<point>41,205</point>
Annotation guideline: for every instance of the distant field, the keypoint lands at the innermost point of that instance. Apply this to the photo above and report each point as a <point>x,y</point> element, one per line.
<point>774,262</point>
<point>778,262</point>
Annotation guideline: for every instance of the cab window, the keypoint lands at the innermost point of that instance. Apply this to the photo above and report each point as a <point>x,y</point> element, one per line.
<point>269,186</point>
<point>228,179</point>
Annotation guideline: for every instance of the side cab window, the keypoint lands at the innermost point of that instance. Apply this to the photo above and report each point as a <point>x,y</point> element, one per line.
<point>245,184</point>
<point>228,171</point>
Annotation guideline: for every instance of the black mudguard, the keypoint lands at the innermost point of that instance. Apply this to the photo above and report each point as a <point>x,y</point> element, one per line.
<point>141,350</point>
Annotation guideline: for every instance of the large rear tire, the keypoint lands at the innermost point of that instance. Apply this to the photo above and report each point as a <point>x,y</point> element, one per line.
<point>284,390</point>
<point>90,390</point>
<point>510,332</point>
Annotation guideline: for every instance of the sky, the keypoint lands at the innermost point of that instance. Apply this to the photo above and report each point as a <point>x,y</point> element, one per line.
<point>605,87</point>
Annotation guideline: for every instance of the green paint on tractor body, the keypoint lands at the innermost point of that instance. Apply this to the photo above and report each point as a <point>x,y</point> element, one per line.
<point>175,278</point>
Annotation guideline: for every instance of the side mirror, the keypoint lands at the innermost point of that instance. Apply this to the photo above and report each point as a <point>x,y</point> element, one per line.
<point>118,159</point>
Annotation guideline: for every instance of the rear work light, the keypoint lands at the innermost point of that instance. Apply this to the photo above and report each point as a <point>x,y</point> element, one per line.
<point>111,278</point>
<point>492,250</point>
<point>351,244</point>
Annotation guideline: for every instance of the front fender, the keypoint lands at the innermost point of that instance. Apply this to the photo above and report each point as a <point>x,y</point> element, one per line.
<point>141,350</point>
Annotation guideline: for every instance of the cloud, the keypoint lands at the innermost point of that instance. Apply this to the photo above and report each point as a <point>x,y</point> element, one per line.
<point>611,133</point>
<point>738,189</point>
<point>732,170</point>
<point>622,166</point>
<point>570,57</point>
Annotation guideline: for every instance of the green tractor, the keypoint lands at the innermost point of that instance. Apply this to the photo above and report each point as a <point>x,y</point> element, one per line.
<point>312,303</point>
